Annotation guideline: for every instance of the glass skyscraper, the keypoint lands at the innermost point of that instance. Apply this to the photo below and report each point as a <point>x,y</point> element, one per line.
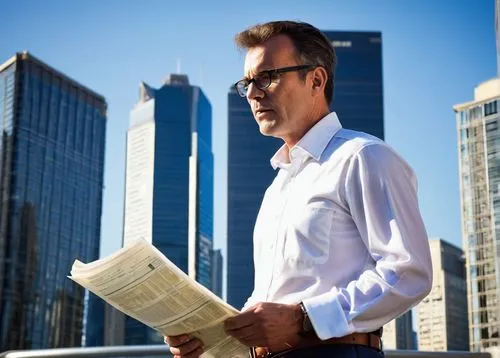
<point>248,175</point>
<point>358,100</point>
<point>358,90</point>
<point>217,264</point>
<point>478,127</point>
<point>51,182</point>
<point>169,182</point>
<point>398,333</point>
<point>442,315</point>
<point>497,33</point>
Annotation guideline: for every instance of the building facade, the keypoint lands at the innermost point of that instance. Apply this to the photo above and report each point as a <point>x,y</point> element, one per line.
<point>358,100</point>
<point>248,175</point>
<point>217,268</point>
<point>51,182</point>
<point>442,315</point>
<point>358,90</point>
<point>169,182</point>
<point>478,127</point>
<point>497,33</point>
<point>399,334</point>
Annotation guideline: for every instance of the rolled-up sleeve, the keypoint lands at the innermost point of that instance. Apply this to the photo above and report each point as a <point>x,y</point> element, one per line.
<point>381,194</point>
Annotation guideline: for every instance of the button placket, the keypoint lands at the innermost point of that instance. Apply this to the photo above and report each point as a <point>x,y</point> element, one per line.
<point>284,196</point>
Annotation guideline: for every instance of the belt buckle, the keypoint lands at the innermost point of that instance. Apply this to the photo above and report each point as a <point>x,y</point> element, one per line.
<point>253,353</point>
<point>266,355</point>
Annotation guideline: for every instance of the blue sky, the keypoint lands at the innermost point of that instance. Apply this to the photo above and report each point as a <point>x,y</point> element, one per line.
<point>434,54</point>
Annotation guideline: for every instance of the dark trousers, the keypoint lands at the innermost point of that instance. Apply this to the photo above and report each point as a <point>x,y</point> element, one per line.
<point>332,351</point>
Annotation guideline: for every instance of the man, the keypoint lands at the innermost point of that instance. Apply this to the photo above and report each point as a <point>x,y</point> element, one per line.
<point>340,248</point>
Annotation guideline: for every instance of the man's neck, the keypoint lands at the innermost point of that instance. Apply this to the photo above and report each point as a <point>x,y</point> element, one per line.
<point>311,122</point>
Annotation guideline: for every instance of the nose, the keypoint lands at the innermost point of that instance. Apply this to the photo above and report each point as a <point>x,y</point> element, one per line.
<point>254,92</point>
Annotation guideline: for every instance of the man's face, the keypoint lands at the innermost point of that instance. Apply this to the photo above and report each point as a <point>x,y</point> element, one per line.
<point>282,108</point>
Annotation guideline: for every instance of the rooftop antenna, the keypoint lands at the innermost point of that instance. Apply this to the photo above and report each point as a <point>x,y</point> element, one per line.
<point>178,65</point>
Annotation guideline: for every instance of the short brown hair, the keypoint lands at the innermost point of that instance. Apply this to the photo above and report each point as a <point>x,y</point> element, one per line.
<point>312,46</point>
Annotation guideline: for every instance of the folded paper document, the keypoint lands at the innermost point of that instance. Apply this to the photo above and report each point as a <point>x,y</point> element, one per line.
<point>142,283</point>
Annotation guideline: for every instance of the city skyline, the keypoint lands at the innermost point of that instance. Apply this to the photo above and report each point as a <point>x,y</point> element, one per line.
<point>427,69</point>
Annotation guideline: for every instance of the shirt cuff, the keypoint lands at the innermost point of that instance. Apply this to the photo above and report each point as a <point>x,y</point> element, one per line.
<point>327,316</point>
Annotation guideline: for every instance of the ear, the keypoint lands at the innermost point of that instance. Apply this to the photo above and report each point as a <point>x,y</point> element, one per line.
<point>319,78</point>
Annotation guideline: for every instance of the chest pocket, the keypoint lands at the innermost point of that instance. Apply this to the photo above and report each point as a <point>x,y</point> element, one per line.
<point>307,236</point>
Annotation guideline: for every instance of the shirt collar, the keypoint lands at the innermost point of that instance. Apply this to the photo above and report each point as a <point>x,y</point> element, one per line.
<point>312,144</point>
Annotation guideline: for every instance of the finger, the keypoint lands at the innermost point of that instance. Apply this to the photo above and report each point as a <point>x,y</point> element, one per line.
<point>249,335</point>
<point>186,348</point>
<point>196,354</point>
<point>244,332</point>
<point>177,340</point>
<point>246,318</point>
<point>252,341</point>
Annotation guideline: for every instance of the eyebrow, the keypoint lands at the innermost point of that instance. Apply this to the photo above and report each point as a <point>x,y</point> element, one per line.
<point>259,72</point>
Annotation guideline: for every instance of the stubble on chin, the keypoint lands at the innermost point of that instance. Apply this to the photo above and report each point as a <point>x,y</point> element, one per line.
<point>267,128</point>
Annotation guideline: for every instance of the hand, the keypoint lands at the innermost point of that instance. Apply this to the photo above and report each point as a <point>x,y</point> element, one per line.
<point>184,346</point>
<point>272,325</point>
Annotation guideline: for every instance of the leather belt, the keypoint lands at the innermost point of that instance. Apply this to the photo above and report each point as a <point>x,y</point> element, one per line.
<point>364,339</point>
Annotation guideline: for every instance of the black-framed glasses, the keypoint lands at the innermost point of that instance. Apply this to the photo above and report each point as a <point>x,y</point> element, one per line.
<point>263,80</point>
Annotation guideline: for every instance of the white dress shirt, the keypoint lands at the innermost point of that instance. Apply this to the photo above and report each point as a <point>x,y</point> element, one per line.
<point>340,230</point>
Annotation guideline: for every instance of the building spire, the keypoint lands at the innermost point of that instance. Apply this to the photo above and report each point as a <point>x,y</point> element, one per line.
<point>145,92</point>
